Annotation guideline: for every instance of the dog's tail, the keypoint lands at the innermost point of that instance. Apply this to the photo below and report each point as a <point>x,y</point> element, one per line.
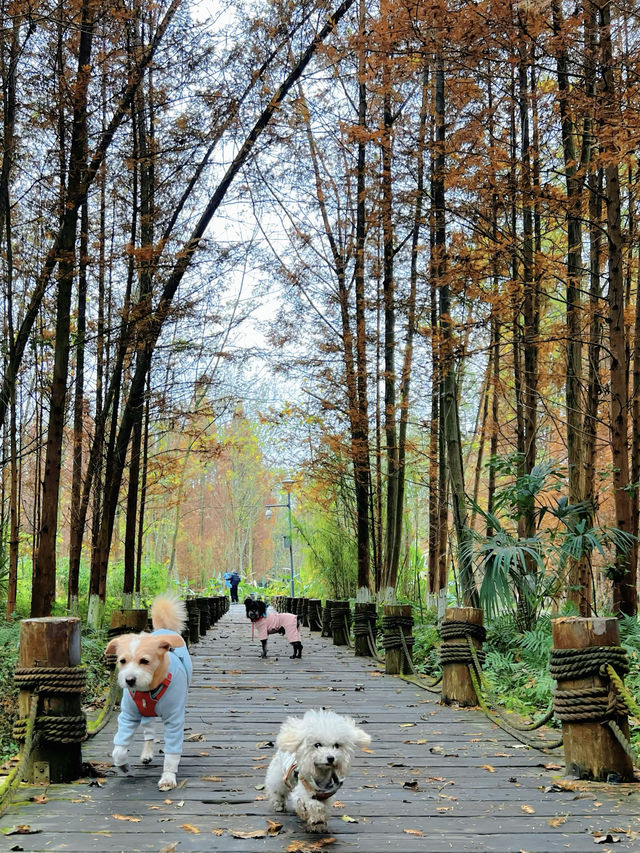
<point>168,611</point>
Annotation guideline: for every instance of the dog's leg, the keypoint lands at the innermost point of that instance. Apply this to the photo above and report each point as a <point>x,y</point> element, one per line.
<point>146,756</point>
<point>294,655</point>
<point>299,649</point>
<point>120,759</point>
<point>264,648</point>
<point>316,818</point>
<point>169,770</point>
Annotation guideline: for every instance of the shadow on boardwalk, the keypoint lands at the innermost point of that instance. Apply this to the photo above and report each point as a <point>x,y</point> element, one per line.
<point>436,778</point>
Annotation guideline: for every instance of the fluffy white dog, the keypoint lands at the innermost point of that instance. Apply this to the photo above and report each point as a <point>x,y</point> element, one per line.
<point>313,759</point>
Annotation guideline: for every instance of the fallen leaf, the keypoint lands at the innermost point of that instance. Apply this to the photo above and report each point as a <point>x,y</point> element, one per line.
<point>170,848</point>
<point>274,828</point>
<point>406,725</point>
<point>338,804</point>
<point>422,740</point>
<point>196,736</point>
<point>489,768</point>
<point>309,846</point>
<point>370,751</point>
<point>42,798</point>
<point>127,817</point>
<point>347,819</point>
<point>203,753</point>
<point>551,766</point>
<point>217,831</point>
<point>436,750</point>
<point>211,779</point>
<point>256,833</point>
<point>189,827</point>
<point>444,808</point>
<point>557,821</point>
<point>413,831</point>
<point>528,809</point>
<point>264,744</point>
<point>20,829</point>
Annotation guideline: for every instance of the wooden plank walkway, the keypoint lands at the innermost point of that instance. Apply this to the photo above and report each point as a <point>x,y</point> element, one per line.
<point>436,778</point>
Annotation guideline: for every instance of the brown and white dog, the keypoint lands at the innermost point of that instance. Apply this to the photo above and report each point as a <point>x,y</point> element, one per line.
<point>154,671</point>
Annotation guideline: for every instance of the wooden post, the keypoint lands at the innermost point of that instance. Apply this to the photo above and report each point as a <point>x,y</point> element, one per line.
<point>395,659</point>
<point>326,617</point>
<point>457,685</point>
<point>365,616</point>
<point>128,621</point>
<point>590,749</point>
<point>51,643</point>
<point>340,622</point>
<point>315,614</point>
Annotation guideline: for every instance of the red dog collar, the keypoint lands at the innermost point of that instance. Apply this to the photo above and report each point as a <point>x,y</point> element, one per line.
<point>145,702</point>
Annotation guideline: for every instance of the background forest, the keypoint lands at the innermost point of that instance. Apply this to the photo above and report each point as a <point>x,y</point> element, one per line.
<point>387,250</point>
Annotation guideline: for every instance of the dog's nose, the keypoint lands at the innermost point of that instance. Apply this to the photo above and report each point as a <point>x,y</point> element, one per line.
<point>131,680</point>
<point>330,759</point>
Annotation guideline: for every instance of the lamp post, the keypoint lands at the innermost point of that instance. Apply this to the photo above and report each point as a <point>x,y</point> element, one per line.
<point>287,484</point>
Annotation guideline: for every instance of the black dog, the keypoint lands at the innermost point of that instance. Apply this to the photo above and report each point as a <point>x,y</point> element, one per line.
<point>269,622</point>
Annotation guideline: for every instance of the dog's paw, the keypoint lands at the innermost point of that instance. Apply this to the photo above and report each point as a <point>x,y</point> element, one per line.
<point>167,781</point>
<point>146,756</point>
<point>120,758</point>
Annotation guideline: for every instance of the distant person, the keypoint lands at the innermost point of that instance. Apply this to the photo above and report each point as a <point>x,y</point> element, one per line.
<point>234,580</point>
<point>225,578</point>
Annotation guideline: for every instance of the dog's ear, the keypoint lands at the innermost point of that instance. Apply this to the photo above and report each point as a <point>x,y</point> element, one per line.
<point>248,601</point>
<point>112,647</point>
<point>291,734</point>
<point>169,641</point>
<point>262,607</point>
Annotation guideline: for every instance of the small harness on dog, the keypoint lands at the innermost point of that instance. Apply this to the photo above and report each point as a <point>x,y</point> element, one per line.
<point>146,701</point>
<point>292,777</point>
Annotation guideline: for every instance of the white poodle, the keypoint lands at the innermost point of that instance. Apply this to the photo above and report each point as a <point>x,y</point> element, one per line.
<point>313,759</point>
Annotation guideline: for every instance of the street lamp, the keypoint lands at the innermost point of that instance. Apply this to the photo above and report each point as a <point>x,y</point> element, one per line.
<point>287,485</point>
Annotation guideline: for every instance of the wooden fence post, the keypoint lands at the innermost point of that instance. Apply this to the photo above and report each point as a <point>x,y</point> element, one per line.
<point>397,618</point>
<point>49,661</point>
<point>340,622</point>
<point>581,647</point>
<point>457,685</point>
<point>364,628</point>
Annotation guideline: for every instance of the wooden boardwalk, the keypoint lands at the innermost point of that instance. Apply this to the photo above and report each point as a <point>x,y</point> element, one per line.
<point>436,778</point>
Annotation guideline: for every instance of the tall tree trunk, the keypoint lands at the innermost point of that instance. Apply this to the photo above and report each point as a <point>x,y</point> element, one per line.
<point>76,531</point>
<point>449,413</point>
<point>43,593</point>
<point>625,596</point>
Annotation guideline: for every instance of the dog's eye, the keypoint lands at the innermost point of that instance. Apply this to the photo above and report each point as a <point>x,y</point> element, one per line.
<point>123,660</point>
<point>144,661</point>
<point>317,745</point>
<point>336,746</point>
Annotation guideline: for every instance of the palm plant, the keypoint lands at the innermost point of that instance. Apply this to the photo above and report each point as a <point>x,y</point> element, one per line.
<point>530,572</point>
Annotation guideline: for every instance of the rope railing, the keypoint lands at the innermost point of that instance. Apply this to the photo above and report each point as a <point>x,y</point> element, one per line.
<point>512,729</point>
<point>417,678</point>
<point>14,777</point>
<point>95,726</point>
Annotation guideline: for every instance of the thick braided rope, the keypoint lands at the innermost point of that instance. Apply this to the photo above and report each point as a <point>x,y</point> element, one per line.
<point>460,654</point>
<point>452,629</point>
<point>340,616</point>
<point>30,742</point>
<point>58,729</point>
<point>364,622</point>
<point>63,679</point>
<point>393,633</point>
<point>587,704</point>
<point>580,663</point>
